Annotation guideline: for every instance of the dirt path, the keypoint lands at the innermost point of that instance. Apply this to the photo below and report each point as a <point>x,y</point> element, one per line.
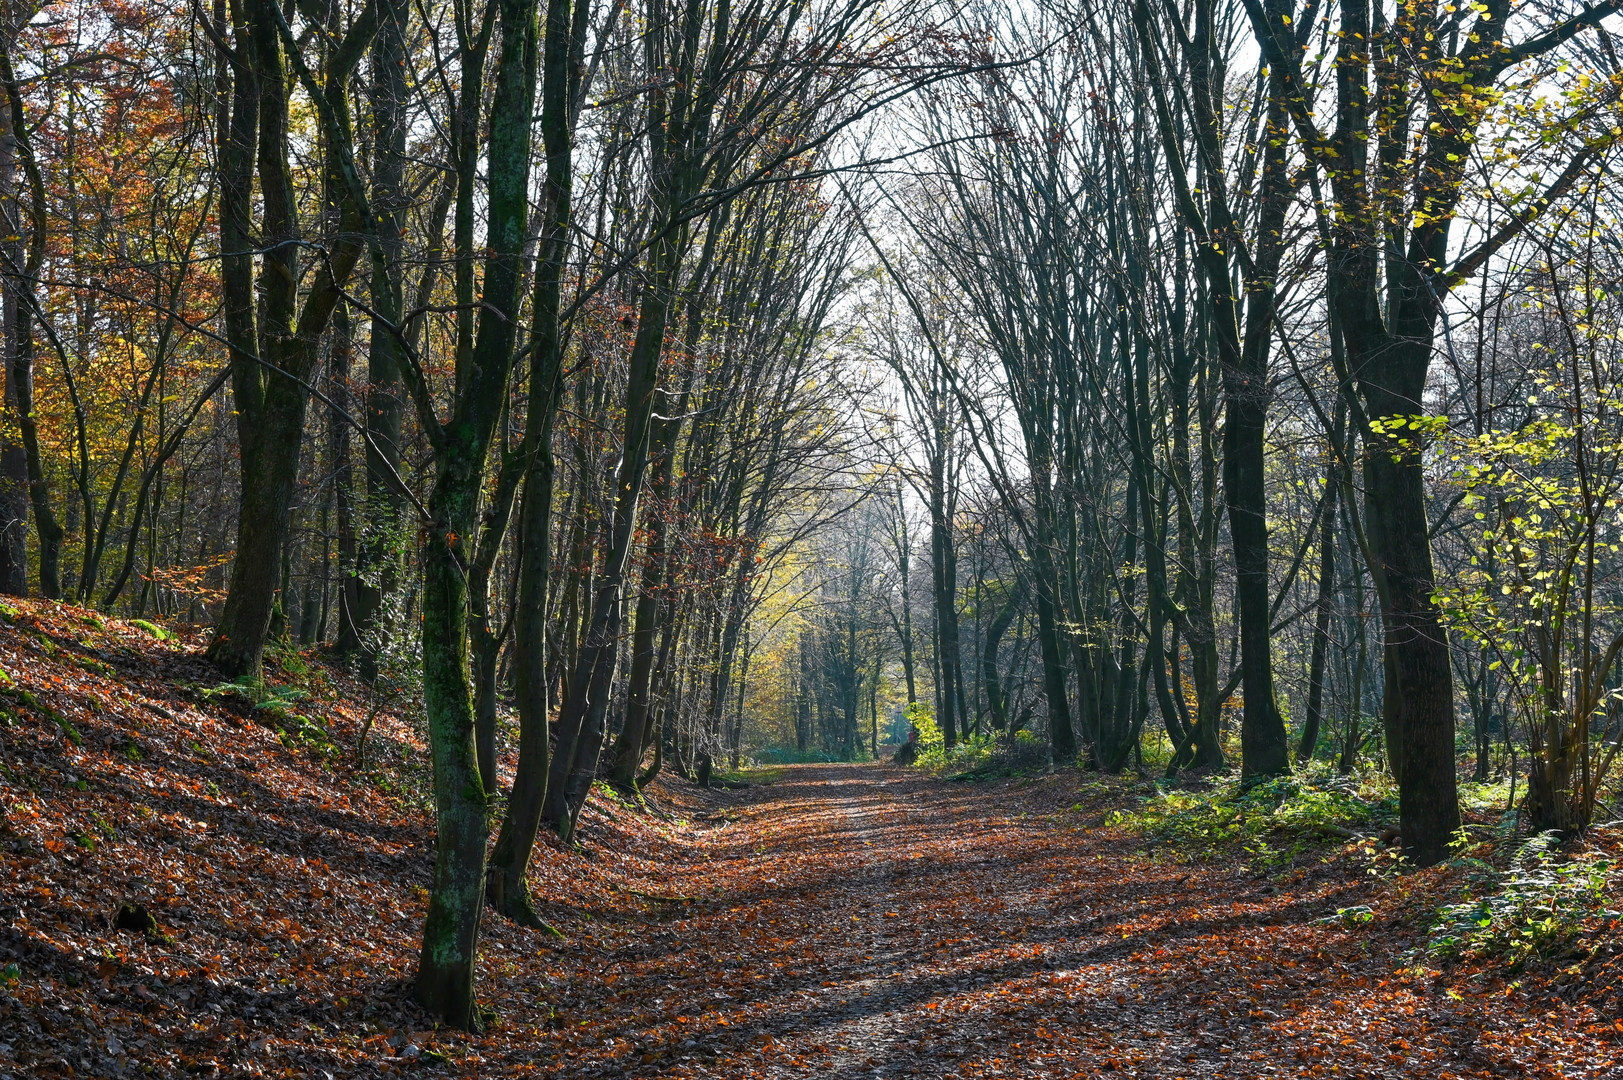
<point>850,921</point>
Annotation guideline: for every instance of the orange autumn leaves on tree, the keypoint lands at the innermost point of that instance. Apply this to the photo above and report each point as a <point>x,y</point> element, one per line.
<point>128,291</point>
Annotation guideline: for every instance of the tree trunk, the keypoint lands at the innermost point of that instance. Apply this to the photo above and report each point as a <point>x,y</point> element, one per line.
<point>1059,715</point>
<point>1418,709</point>
<point>376,572</point>
<point>944,582</point>
<point>270,403</point>
<point>445,974</point>
<point>580,722</point>
<point>629,748</point>
<point>270,470</point>
<point>515,842</point>
<point>994,635</point>
<point>1323,607</point>
<point>14,486</point>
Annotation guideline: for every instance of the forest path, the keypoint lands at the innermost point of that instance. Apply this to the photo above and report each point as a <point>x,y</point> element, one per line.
<point>861,921</point>
<point>930,931</point>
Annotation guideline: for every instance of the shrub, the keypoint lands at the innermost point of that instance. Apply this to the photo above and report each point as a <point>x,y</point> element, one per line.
<point>922,716</point>
<point>1539,908</point>
<point>1271,820</point>
<point>982,757</point>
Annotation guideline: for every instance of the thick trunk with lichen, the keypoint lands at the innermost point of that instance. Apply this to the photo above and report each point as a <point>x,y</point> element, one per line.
<point>270,405</point>
<point>451,930</point>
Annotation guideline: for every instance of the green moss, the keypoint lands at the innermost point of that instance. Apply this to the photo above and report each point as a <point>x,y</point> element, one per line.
<point>90,663</point>
<point>25,697</point>
<point>153,629</point>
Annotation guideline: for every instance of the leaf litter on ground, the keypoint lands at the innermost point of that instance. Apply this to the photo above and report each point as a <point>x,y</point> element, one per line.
<point>839,921</point>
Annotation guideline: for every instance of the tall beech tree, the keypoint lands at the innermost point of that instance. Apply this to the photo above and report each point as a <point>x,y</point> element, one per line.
<point>1242,326</point>
<point>461,447</point>
<point>563,83</point>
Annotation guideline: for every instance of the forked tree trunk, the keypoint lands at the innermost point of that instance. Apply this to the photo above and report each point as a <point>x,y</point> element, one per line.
<point>268,370</point>
<point>445,973</point>
<point>560,92</point>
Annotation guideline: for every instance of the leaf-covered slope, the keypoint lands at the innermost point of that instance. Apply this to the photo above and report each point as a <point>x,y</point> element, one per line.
<point>285,888</point>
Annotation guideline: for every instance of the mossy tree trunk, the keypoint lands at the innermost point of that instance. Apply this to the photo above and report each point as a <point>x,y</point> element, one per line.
<point>562,85</point>
<point>445,973</point>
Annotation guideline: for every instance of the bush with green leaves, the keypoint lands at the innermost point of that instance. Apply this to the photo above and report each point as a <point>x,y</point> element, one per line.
<point>1270,820</point>
<point>1541,907</point>
<point>922,717</point>
<point>1537,598</point>
<point>981,757</point>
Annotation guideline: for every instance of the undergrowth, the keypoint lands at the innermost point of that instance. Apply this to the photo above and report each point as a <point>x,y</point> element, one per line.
<point>987,757</point>
<point>1545,904</point>
<point>788,755</point>
<point>750,772</point>
<point>979,757</point>
<point>1271,821</point>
